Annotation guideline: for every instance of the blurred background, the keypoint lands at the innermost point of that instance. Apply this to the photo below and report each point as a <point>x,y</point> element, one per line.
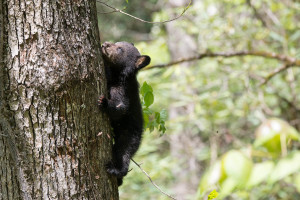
<point>231,123</point>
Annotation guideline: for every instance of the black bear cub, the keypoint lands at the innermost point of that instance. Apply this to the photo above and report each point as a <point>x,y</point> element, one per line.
<point>122,61</point>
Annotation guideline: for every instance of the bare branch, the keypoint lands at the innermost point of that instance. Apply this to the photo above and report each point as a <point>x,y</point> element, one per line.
<point>152,181</point>
<point>288,61</point>
<point>145,21</point>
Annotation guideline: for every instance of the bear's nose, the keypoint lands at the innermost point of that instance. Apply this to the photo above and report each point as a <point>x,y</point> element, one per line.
<point>106,44</point>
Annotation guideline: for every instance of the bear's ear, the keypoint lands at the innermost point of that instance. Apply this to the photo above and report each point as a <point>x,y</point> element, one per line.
<point>142,62</point>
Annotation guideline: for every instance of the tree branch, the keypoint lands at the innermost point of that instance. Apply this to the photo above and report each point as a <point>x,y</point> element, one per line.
<point>275,72</point>
<point>256,13</point>
<point>152,181</point>
<point>288,61</point>
<point>145,21</point>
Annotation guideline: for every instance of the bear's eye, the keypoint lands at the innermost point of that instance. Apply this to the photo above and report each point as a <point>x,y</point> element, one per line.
<point>120,50</point>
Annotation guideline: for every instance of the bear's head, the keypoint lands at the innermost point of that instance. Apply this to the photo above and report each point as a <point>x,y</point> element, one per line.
<point>122,55</point>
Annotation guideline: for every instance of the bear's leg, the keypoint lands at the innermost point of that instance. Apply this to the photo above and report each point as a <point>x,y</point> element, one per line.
<point>120,181</point>
<point>126,144</point>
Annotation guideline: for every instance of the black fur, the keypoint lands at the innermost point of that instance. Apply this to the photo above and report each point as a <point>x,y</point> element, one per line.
<point>122,62</point>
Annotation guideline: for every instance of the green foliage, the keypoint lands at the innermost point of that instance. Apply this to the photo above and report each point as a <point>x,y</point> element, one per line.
<point>152,119</point>
<point>217,101</point>
<point>260,172</point>
<point>238,170</point>
<point>147,92</point>
<point>272,133</point>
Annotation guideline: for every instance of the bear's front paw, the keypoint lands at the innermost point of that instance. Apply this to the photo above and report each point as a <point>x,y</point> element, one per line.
<point>102,102</point>
<point>111,169</point>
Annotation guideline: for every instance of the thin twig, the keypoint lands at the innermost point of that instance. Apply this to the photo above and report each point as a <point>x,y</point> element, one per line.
<point>152,181</point>
<point>145,21</point>
<point>109,11</point>
<point>275,72</point>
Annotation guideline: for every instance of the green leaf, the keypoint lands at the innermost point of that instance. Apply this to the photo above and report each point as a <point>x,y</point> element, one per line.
<point>149,99</point>
<point>228,186</point>
<point>147,111</point>
<point>260,173</point>
<point>145,89</point>
<point>237,166</point>
<point>286,167</point>
<point>163,115</point>
<point>162,127</point>
<point>270,132</point>
<point>157,117</point>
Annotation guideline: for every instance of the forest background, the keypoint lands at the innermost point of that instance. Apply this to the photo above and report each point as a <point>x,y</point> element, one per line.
<point>231,113</point>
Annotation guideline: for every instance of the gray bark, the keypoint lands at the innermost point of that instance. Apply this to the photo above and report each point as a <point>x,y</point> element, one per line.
<point>54,142</point>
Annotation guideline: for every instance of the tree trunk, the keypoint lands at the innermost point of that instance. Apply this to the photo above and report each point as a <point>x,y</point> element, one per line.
<point>54,141</point>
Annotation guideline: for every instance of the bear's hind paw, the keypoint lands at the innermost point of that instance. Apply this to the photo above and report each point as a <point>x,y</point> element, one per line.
<point>111,169</point>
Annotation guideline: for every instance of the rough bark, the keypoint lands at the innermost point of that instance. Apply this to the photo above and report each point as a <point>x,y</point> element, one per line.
<point>54,141</point>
